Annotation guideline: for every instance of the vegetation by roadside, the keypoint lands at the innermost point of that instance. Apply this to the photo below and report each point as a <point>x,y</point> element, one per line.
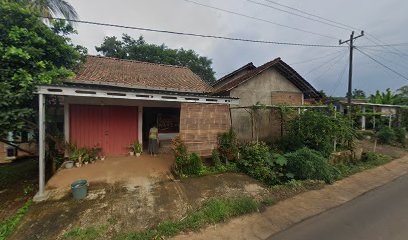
<point>86,233</point>
<point>213,211</point>
<point>7,227</point>
<point>369,160</point>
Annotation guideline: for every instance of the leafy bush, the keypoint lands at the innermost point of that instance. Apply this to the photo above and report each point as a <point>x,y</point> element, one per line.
<point>400,135</point>
<point>185,163</point>
<point>369,160</point>
<point>386,135</point>
<point>216,159</point>
<point>228,146</point>
<point>194,165</point>
<point>306,163</point>
<point>257,161</point>
<point>317,130</point>
<point>372,157</point>
<point>289,143</point>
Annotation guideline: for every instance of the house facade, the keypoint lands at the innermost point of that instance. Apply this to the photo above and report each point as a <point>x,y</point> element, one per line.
<point>112,103</point>
<point>272,84</point>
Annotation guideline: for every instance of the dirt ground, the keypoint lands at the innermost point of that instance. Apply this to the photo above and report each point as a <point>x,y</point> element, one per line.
<point>135,170</point>
<point>124,208</point>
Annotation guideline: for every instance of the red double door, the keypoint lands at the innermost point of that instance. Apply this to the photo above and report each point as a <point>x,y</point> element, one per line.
<point>111,128</point>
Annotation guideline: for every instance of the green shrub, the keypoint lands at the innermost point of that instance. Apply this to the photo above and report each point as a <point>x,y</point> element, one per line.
<point>374,158</point>
<point>400,135</point>
<point>289,143</point>
<point>369,160</point>
<point>306,163</point>
<point>386,135</point>
<point>257,161</point>
<point>228,146</point>
<point>317,130</point>
<point>185,164</point>
<point>216,159</point>
<point>180,155</point>
<point>194,165</point>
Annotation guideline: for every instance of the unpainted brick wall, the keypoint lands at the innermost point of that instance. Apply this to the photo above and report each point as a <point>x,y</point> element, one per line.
<point>200,125</point>
<point>289,98</point>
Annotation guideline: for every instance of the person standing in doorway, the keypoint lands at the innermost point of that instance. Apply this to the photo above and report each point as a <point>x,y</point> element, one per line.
<point>153,141</point>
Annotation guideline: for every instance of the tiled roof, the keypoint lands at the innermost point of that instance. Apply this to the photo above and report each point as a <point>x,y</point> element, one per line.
<point>129,73</point>
<point>308,90</point>
<point>235,74</point>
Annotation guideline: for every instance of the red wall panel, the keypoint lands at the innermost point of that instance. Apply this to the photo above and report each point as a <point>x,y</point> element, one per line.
<point>112,128</point>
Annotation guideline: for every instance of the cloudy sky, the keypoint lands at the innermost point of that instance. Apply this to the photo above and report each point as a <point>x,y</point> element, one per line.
<point>325,68</point>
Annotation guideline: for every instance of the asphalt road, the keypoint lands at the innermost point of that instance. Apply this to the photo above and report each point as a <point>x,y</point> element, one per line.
<point>378,214</point>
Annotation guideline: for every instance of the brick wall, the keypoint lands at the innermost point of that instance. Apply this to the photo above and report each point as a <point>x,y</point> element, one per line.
<point>289,98</point>
<point>200,125</point>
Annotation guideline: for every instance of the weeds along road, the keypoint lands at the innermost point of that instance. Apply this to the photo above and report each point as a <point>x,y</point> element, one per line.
<point>378,214</point>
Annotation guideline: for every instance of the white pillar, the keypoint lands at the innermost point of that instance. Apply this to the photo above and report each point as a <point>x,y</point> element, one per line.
<point>41,195</point>
<point>66,122</point>
<point>390,121</point>
<point>140,124</point>
<point>374,118</point>
<point>363,118</point>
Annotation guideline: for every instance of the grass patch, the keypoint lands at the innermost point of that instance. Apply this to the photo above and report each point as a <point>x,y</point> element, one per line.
<point>89,233</point>
<point>8,226</point>
<point>11,173</point>
<point>369,160</point>
<point>214,211</point>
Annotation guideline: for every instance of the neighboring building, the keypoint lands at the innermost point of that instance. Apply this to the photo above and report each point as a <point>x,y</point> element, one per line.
<point>112,103</point>
<point>24,140</point>
<point>273,83</point>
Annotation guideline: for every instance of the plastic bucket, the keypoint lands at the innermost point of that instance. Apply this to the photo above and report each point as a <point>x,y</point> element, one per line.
<point>79,189</point>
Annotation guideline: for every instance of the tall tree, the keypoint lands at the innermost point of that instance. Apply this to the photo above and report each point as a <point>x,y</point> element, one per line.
<point>387,97</point>
<point>30,53</point>
<point>139,49</point>
<point>50,8</point>
<point>358,94</point>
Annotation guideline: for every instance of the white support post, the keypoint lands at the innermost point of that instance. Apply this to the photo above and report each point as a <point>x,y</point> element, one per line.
<point>140,124</point>
<point>374,118</point>
<point>335,138</point>
<point>390,121</point>
<point>363,118</point>
<point>41,195</point>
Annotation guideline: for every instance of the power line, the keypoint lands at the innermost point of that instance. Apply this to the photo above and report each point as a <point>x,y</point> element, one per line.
<point>385,59</point>
<point>258,19</point>
<point>195,34</point>
<point>298,15</point>
<point>313,15</point>
<point>330,67</point>
<point>383,65</point>
<point>325,63</point>
<point>337,84</point>
<point>382,43</point>
<point>313,59</point>
<point>390,47</point>
<point>386,45</point>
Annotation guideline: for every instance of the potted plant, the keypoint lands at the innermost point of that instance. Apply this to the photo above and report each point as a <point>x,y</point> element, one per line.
<point>136,149</point>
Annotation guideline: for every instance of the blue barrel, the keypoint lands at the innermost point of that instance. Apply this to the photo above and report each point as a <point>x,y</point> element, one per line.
<point>79,189</point>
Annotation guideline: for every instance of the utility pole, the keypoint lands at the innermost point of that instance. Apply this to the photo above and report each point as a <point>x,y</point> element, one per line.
<point>350,81</point>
